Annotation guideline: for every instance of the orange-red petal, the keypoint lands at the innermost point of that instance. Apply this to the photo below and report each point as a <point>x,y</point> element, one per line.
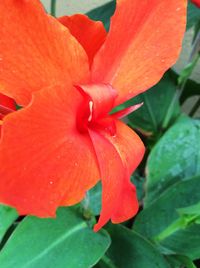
<point>7,102</point>
<point>90,34</point>
<point>131,150</point>
<point>118,157</point>
<point>36,51</point>
<point>144,40</point>
<point>45,161</point>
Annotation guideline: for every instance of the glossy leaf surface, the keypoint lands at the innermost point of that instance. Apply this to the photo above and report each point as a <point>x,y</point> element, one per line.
<point>7,217</point>
<point>174,158</point>
<point>135,250</point>
<point>150,117</point>
<point>66,241</point>
<point>155,219</point>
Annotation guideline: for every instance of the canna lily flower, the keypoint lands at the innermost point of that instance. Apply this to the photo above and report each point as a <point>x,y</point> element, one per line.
<point>196,2</point>
<point>68,75</point>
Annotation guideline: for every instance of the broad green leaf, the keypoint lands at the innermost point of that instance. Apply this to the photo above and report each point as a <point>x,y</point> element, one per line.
<point>183,236</point>
<point>185,242</point>
<point>131,250</point>
<point>138,181</point>
<point>103,13</point>
<point>178,261</point>
<point>187,216</point>
<point>156,102</point>
<point>175,157</point>
<point>92,202</point>
<point>193,15</point>
<point>94,199</point>
<point>157,217</point>
<point>174,262</point>
<point>7,217</point>
<point>66,241</point>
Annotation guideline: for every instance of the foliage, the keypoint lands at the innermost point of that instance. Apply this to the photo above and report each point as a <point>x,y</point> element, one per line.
<point>166,231</point>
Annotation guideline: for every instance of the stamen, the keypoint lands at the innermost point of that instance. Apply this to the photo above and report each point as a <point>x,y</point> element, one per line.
<point>91,111</point>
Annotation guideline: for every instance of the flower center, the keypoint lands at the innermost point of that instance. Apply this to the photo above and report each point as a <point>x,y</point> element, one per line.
<point>98,101</point>
<point>94,111</point>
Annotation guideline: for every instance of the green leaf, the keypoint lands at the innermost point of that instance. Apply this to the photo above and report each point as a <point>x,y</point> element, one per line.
<point>190,211</point>
<point>175,157</point>
<point>138,181</point>
<point>183,236</point>
<point>191,88</point>
<point>193,15</point>
<point>187,71</point>
<point>66,241</point>
<point>103,13</point>
<point>105,262</point>
<point>94,196</point>
<point>178,261</point>
<point>185,242</point>
<point>131,250</point>
<point>156,218</point>
<point>7,217</point>
<point>187,216</point>
<point>149,118</point>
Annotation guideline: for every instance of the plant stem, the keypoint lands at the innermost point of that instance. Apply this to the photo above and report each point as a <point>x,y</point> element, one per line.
<point>179,224</point>
<point>195,108</point>
<point>171,229</point>
<point>193,59</point>
<point>187,262</point>
<point>108,262</point>
<point>171,106</point>
<point>53,8</point>
<point>196,46</point>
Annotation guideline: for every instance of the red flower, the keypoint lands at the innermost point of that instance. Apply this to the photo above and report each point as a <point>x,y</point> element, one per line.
<point>196,2</point>
<point>64,139</point>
